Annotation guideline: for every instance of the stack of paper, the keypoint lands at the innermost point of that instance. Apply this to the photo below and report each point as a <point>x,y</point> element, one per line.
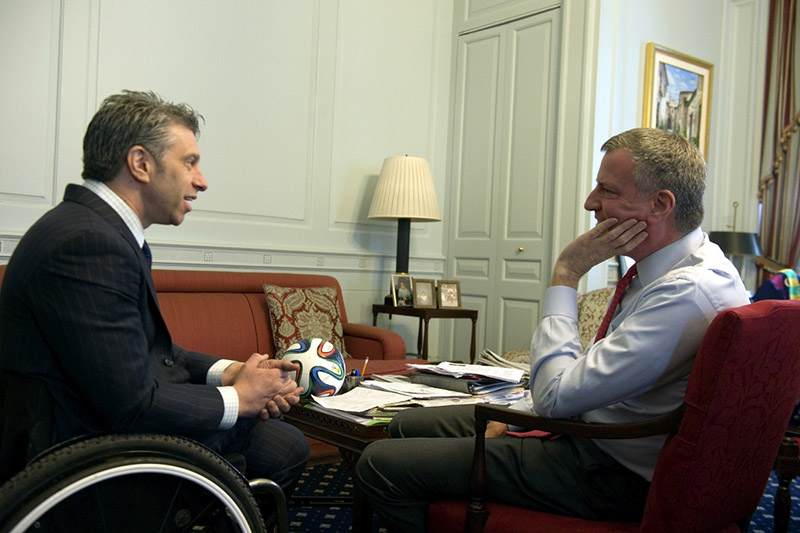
<point>470,379</point>
<point>381,398</point>
<point>511,375</point>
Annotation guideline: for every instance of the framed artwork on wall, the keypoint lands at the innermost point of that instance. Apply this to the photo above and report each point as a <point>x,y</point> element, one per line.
<point>449,294</point>
<point>401,290</point>
<point>424,293</point>
<point>677,94</point>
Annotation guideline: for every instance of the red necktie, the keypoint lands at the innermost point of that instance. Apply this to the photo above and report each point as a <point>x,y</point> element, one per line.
<point>621,286</point>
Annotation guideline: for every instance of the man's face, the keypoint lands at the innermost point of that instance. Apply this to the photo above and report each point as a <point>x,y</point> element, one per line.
<point>615,195</point>
<point>176,181</point>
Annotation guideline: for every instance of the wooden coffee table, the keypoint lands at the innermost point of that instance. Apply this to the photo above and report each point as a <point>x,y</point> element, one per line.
<point>350,437</point>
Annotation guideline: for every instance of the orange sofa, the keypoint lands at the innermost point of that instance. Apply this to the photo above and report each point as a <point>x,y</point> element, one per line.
<point>225,314</point>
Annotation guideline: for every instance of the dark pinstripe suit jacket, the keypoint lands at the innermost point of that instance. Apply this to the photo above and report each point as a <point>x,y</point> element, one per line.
<point>78,311</point>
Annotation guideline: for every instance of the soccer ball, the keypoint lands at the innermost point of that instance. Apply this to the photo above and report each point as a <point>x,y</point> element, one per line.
<point>321,367</point>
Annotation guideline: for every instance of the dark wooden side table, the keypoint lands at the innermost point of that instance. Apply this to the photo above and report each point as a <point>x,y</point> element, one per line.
<point>425,316</point>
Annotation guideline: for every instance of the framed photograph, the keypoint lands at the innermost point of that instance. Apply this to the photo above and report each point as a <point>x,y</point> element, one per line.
<point>449,294</point>
<point>401,290</point>
<point>424,293</point>
<point>677,94</point>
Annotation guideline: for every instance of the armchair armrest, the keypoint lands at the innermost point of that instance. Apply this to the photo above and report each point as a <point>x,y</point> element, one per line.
<point>657,426</point>
<point>477,512</point>
<point>362,341</point>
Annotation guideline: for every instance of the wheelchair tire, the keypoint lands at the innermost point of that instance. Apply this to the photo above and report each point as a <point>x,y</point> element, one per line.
<point>129,483</point>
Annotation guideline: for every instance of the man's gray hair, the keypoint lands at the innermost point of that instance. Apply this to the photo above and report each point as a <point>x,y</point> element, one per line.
<point>666,161</point>
<point>129,119</point>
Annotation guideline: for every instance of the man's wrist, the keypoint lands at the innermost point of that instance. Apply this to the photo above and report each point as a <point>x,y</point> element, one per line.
<point>216,374</point>
<point>230,373</point>
<point>563,275</point>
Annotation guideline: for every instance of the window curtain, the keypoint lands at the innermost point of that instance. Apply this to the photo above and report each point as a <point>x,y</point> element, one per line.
<point>780,152</point>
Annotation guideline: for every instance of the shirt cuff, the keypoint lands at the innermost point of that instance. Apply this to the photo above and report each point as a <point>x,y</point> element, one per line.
<point>230,398</point>
<point>561,300</point>
<point>214,374</point>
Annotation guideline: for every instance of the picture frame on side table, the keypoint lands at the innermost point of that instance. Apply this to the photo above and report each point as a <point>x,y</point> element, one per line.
<point>424,293</point>
<point>677,94</point>
<point>402,288</point>
<point>449,296</point>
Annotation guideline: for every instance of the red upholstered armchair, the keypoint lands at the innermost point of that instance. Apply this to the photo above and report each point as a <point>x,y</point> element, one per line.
<point>713,469</point>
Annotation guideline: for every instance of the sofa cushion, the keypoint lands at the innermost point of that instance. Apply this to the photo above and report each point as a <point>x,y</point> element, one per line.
<point>304,312</point>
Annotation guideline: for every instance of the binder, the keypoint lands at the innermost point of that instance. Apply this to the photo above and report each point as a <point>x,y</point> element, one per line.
<point>462,384</point>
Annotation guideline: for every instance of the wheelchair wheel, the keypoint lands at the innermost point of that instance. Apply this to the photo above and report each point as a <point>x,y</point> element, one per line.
<point>129,483</point>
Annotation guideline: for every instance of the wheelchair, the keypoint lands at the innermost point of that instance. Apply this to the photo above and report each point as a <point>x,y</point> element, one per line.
<point>136,483</point>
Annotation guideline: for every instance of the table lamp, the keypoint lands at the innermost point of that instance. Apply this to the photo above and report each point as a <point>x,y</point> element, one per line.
<point>736,242</point>
<point>405,192</point>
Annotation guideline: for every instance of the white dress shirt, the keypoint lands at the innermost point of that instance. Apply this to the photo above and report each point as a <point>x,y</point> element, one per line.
<point>640,369</point>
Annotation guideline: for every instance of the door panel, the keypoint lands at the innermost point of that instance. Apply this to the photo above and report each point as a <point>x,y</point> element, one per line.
<point>503,161</point>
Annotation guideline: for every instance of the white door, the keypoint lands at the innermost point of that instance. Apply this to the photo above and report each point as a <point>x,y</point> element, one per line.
<point>503,179</point>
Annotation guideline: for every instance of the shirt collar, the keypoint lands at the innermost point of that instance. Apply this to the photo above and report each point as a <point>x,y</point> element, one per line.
<point>120,207</point>
<point>661,261</point>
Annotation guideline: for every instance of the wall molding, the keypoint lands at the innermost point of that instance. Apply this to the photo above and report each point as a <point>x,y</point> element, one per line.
<point>217,257</point>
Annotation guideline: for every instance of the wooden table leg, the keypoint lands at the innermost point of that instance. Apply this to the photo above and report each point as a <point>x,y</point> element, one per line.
<point>472,342</point>
<point>419,337</point>
<point>425,340</point>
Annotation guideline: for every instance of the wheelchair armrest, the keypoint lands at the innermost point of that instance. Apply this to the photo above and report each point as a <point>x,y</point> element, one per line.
<point>263,486</point>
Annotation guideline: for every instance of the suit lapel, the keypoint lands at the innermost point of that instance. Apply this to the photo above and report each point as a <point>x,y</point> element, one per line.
<point>82,195</point>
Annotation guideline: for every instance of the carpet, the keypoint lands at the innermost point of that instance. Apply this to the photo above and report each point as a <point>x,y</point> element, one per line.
<point>333,481</point>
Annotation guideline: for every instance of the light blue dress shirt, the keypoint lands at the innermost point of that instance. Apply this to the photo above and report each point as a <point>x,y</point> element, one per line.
<point>640,369</point>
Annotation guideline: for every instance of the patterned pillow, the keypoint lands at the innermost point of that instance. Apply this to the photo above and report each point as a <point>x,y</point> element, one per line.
<point>592,308</point>
<point>301,313</point>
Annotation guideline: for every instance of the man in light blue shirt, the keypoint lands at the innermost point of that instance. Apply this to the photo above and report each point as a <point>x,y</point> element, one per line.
<point>648,203</point>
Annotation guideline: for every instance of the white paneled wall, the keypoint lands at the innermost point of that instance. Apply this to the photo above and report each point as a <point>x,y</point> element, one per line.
<point>302,102</point>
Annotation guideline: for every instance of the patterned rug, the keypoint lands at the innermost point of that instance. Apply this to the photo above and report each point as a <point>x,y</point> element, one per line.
<point>333,481</point>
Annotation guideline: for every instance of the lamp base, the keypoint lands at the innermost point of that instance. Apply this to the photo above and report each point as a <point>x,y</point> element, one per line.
<point>388,300</point>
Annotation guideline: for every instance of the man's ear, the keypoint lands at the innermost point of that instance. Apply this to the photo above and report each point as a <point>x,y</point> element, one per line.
<point>140,164</point>
<point>662,206</point>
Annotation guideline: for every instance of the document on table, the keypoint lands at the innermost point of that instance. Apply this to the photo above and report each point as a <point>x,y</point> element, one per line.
<point>360,400</point>
<point>511,375</point>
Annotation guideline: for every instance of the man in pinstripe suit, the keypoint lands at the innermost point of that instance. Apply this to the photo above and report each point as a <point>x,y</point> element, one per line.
<point>79,317</point>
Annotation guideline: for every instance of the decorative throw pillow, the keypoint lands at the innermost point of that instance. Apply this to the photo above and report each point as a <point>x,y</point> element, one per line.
<point>301,313</point>
<point>592,308</point>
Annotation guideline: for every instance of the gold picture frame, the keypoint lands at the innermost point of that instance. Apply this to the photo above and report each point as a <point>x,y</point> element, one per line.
<point>424,293</point>
<point>449,294</point>
<point>677,94</point>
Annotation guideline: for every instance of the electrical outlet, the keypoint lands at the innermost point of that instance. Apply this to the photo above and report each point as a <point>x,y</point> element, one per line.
<point>208,256</point>
<point>320,261</point>
<point>362,263</point>
<point>267,259</point>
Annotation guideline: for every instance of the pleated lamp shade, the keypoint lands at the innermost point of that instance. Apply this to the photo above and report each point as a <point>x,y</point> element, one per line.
<point>405,190</point>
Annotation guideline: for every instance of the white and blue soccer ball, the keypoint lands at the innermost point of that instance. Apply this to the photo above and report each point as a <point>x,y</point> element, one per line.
<point>322,369</point>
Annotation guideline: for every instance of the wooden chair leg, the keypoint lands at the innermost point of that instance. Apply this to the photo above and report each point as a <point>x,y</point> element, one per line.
<point>476,509</point>
<point>787,467</point>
